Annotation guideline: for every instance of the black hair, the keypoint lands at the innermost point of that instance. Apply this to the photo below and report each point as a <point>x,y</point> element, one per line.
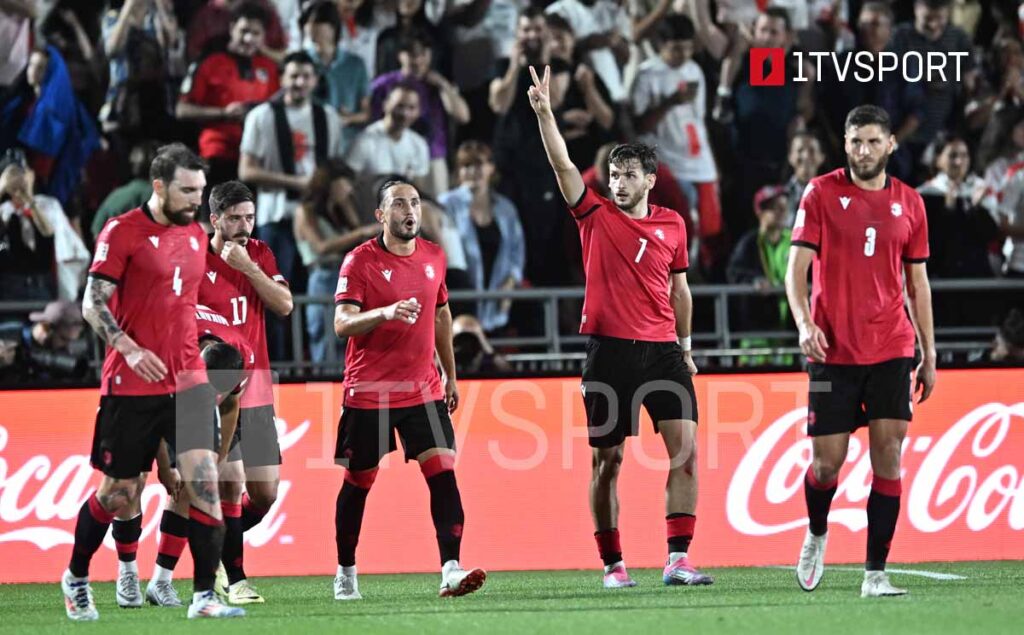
<point>390,183</point>
<point>322,12</point>
<point>867,115</point>
<point>556,21</point>
<point>779,13</point>
<point>226,195</point>
<point>936,4</point>
<point>297,57</point>
<point>171,157</point>
<point>627,152</point>
<point>533,11</point>
<point>225,362</point>
<point>409,38</point>
<point>250,10</point>
<point>878,6</point>
<point>675,26</point>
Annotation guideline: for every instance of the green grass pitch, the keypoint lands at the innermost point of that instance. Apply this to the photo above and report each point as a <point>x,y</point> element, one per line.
<point>760,601</point>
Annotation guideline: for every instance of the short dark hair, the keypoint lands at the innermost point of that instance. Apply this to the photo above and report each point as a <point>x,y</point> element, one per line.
<point>878,6</point>
<point>628,152</point>
<point>322,12</point>
<point>779,13</point>
<point>409,39</point>
<point>675,26</point>
<point>532,11</point>
<point>806,134</point>
<point>251,10</point>
<point>401,85</point>
<point>226,362</point>
<point>297,57</point>
<point>557,22</point>
<point>226,195</point>
<point>390,183</point>
<point>867,115</point>
<point>171,157</point>
<point>936,4</point>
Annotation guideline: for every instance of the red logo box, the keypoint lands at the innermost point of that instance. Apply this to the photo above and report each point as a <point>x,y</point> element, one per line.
<point>770,60</point>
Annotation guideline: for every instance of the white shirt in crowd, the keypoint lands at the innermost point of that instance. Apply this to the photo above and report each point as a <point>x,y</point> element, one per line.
<point>374,153</point>
<point>603,17</point>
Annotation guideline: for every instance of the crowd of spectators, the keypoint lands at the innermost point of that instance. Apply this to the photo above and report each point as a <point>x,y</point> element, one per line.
<point>315,102</point>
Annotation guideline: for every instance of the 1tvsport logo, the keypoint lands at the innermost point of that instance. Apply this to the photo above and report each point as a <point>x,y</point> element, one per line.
<point>768,66</point>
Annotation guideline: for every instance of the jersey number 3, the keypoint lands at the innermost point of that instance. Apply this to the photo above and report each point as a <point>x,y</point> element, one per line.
<point>869,243</point>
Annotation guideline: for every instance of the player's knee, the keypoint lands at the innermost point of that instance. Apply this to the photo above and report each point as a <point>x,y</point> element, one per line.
<point>826,470</point>
<point>230,491</point>
<point>118,495</point>
<point>205,492</point>
<point>263,495</point>
<point>607,464</point>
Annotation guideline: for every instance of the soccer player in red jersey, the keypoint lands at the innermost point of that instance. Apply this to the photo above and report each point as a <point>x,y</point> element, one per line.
<point>229,363</point>
<point>141,300</point>
<point>634,257</point>
<point>391,382</point>
<point>865,233</point>
<point>242,280</point>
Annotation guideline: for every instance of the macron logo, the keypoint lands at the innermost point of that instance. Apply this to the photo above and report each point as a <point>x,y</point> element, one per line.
<point>845,200</point>
<point>387,274</point>
<point>155,241</point>
<point>212,275</point>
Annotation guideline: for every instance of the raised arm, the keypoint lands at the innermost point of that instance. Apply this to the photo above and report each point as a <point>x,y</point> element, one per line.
<point>919,291</point>
<point>568,175</point>
<point>275,295</point>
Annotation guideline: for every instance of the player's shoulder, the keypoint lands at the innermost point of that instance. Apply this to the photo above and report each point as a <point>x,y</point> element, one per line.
<point>256,247</point>
<point>907,193</point>
<point>363,251</point>
<point>665,215</point>
<point>429,248</point>
<point>825,182</point>
<point>130,221</point>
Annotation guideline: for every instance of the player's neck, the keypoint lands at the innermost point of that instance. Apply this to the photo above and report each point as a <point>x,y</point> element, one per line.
<point>641,210</point>
<point>397,246</point>
<point>872,185</point>
<point>217,242</point>
<point>156,210</point>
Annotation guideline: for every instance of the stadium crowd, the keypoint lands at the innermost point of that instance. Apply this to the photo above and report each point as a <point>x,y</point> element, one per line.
<point>315,103</point>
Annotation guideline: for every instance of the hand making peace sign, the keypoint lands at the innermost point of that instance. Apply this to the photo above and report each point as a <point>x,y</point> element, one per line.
<point>540,92</point>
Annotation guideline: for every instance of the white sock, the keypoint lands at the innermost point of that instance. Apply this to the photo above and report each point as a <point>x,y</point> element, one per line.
<point>347,571</point>
<point>676,555</point>
<point>129,567</point>
<point>197,596</point>
<point>609,567</point>
<point>73,578</point>
<point>162,575</point>
<point>449,566</point>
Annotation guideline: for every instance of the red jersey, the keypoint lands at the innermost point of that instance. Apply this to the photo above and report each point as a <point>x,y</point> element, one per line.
<point>628,263</point>
<point>157,269</point>
<point>223,78</point>
<point>862,238</point>
<point>209,322</point>
<point>392,366</point>
<point>228,292</point>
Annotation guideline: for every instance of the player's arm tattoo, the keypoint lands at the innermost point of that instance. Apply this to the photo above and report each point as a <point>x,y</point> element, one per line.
<point>96,312</point>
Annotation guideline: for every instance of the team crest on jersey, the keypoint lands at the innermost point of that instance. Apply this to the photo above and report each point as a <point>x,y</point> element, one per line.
<point>387,274</point>
<point>193,243</point>
<point>897,209</point>
<point>342,285</point>
<point>212,275</point>
<point>429,269</point>
<point>660,234</point>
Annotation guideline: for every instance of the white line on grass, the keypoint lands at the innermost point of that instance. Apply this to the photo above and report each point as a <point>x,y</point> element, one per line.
<point>934,575</point>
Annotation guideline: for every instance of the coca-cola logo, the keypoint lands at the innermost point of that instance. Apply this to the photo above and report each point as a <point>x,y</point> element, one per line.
<point>961,476</point>
<point>46,496</point>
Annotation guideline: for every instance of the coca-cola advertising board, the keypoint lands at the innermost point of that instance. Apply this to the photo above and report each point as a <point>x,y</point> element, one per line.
<point>524,467</point>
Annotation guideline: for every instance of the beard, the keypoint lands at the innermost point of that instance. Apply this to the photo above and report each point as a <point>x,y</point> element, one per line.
<point>398,229</point>
<point>181,217</point>
<point>631,202</point>
<point>866,173</point>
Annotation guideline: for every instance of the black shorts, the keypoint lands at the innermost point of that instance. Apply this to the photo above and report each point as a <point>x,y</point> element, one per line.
<point>365,436</point>
<point>619,375</point>
<point>129,429</point>
<point>847,397</point>
<point>255,440</point>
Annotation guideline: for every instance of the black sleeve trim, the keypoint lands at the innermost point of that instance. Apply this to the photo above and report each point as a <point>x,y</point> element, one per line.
<point>445,303</point>
<point>683,270</point>
<point>352,302</point>
<point>580,201</point>
<point>590,211</point>
<point>100,276</point>
<point>804,243</point>
<point>915,261</point>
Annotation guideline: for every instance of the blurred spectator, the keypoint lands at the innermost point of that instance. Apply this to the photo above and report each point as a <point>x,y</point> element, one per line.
<point>411,17</point>
<point>15,28</point>
<point>602,28</point>
<point>1011,220</point>
<point>35,237</point>
<point>289,12</point>
<point>519,152</point>
<point>364,20</point>
<point>669,99</point>
<point>764,116</point>
<point>473,353</point>
<point>665,193</point>
<point>586,117</point>
<point>760,258</point>
<point>132,194</point>
<point>492,237</point>
<point>1009,342</point>
<point>210,28</point>
<point>805,159</point>
<point>960,227</point>
<point>283,142</point>
<point>439,99</point>
<point>49,347</point>
<point>86,66</point>
<point>43,116</point>
<point>931,32</point>
<point>342,81</point>
<point>903,100</point>
<point>389,145</point>
<point>224,86</point>
<point>326,228</point>
<point>146,49</point>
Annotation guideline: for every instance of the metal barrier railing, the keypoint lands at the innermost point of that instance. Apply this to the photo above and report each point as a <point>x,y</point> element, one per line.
<point>552,344</point>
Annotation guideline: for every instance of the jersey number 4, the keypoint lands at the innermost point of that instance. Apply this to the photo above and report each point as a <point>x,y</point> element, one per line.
<point>176,281</point>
